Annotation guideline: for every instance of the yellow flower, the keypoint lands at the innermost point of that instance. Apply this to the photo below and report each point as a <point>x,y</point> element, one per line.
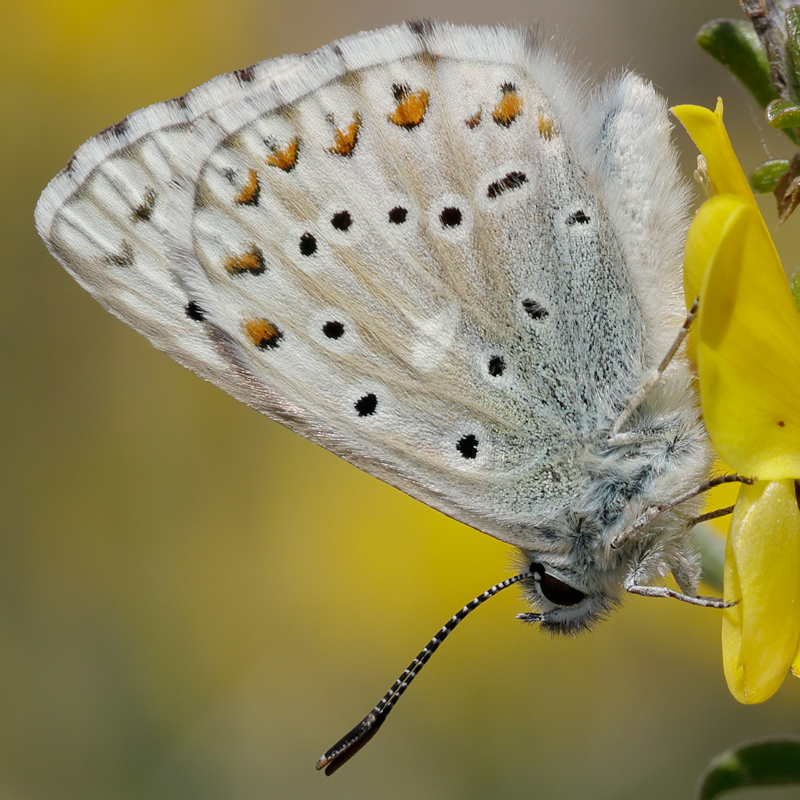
<point>747,349</point>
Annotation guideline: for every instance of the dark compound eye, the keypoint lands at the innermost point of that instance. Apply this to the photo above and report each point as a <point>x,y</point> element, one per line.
<point>468,446</point>
<point>555,590</point>
<point>496,366</point>
<point>341,220</point>
<point>398,215</point>
<point>366,405</point>
<point>333,329</point>
<point>450,217</point>
<point>308,244</point>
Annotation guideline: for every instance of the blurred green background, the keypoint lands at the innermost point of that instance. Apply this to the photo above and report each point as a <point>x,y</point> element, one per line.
<point>195,602</point>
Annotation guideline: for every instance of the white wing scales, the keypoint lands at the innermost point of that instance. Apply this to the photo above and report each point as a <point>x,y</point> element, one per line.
<point>391,245</point>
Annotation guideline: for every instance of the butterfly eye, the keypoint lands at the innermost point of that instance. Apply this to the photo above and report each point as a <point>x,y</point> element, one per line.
<point>555,590</point>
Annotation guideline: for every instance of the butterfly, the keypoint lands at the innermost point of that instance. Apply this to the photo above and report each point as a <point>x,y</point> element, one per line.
<point>433,251</point>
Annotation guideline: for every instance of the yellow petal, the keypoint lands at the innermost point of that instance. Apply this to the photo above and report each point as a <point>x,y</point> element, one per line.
<point>748,347</point>
<point>762,570</point>
<point>709,134</point>
<point>703,238</point>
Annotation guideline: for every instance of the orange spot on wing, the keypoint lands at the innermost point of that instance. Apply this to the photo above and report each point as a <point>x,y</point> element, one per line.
<point>250,191</point>
<point>547,127</point>
<point>284,159</point>
<point>346,139</point>
<point>509,107</point>
<point>263,333</point>
<point>411,107</point>
<point>251,262</point>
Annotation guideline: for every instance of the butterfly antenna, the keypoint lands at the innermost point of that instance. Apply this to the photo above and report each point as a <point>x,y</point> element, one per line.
<point>353,741</point>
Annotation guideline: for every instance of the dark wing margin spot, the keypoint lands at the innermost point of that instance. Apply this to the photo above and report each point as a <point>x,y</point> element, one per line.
<point>398,215</point>
<point>308,244</point>
<point>422,27</point>
<point>450,217</point>
<point>366,405</point>
<point>246,75</point>
<point>533,309</point>
<point>580,217</point>
<point>179,102</point>
<point>513,180</point>
<point>117,130</point>
<point>123,258</point>
<point>496,366</point>
<point>144,210</point>
<point>195,311</point>
<point>333,329</point>
<point>468,446</point>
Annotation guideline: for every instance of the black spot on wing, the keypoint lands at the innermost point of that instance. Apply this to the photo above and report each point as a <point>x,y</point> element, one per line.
<point>513,180</point>
<point>342,220</point>
<point>578,217</point>
<point>450,217</point>
<point>534,309</point>
<point>333,329</point>
<point>308,244</point>
<point>398,215</point>
<point>195,311</point>
<point>496,366</point>
<point>367,405</point>
<point>468,446</point>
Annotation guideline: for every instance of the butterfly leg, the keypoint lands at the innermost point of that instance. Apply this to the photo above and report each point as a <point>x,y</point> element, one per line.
<point>652,379</point>
<point>719,512</point>
<point>686,572</point>
<point>663,591</point>
<point>652,512</point>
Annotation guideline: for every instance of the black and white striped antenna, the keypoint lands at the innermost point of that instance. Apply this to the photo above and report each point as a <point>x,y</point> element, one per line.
<point>353,741</point>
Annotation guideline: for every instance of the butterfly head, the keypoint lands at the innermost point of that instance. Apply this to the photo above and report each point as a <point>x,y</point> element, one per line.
<point>563,604</point>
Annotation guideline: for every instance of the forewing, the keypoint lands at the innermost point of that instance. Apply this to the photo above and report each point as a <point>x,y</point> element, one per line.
<point>396,245</point>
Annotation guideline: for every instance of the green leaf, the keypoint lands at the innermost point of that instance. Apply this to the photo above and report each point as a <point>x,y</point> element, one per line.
<point>772,762</point>
<point>793,34</point>
<point>783,114</point>
<point>735,45</point>
<point>765,177</point>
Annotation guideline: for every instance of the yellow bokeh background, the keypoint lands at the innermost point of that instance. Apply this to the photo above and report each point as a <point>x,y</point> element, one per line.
<point>195,602</point>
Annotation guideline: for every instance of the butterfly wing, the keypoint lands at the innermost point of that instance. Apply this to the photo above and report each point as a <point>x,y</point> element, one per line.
<point>422,248</point>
